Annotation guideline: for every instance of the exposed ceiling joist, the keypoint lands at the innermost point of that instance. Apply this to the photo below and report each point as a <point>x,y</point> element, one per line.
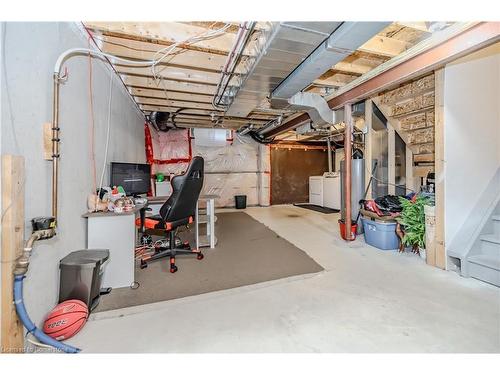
<point>334,79</point>
<point>166,33</point>
<point>384,46</point>
<point>203,113</point>
<point>421,26</point>
<point>172,74</point>
<point>138,50</point>
<point>173,95</point>
<point>150,83</point>
<point>173,103</point>
<point>182,116</point>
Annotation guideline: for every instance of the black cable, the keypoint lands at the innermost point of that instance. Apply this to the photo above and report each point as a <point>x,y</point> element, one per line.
<point>259,139</point>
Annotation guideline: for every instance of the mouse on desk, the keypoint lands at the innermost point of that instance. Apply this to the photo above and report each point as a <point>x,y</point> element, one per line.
<point>141,200</point>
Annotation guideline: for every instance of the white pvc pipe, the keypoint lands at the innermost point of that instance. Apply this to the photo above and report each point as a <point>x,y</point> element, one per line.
<point>86,51</point>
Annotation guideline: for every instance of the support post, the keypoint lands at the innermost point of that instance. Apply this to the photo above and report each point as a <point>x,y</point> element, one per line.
<point>440,165</point>
<point>329,153</point>
<point>12,246</point>
<point>391,157</point>
<point>348,168</point>
<point>368,142</point>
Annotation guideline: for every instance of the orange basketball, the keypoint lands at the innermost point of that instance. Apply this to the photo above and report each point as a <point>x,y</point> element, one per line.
<point>66,319</point>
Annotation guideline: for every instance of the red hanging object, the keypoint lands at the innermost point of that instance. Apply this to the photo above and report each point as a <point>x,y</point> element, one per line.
<point>149,144</point>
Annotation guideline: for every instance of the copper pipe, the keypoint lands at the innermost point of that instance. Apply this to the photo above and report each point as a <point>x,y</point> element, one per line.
<point>348,169</point>
<point>55,143</point>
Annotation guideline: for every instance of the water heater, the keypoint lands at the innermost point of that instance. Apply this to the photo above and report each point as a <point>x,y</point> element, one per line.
<point>357,188</point>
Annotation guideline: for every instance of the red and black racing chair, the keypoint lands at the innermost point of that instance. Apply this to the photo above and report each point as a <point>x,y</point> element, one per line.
<point>178,210</point>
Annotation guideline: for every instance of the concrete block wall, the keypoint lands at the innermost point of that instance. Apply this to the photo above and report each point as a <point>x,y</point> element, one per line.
<point>29,53</point>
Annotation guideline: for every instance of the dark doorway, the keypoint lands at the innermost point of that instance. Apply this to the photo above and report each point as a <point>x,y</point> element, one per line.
<point>290,171</point>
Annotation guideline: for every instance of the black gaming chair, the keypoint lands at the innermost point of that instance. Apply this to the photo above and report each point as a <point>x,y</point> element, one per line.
<point>178,210</point>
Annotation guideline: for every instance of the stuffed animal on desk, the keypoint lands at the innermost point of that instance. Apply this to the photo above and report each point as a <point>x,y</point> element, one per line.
<point>94,204</point>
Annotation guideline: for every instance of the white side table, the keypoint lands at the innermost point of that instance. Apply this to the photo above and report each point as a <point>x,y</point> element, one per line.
<point>208,240</point>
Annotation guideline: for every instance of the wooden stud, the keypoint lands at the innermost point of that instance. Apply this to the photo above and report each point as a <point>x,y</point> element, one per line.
<point>410,178</point>
<point>391,157</point>
<point>12,245</point>
<point>440,245</point>
<point>384,46</point>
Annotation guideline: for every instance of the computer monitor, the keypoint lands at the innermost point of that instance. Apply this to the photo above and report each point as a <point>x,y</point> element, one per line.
<point>133,177</point>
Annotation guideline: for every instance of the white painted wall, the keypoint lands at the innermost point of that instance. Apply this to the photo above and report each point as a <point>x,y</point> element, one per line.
<point>31,51</point>
<point>472,136</point>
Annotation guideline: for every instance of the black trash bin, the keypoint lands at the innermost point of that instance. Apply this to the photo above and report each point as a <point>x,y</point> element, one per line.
<point>240,201</point>
<point>81,276</point>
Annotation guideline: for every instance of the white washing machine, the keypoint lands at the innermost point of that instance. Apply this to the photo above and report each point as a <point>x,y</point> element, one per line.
<point>324,190</point>
<point>316,190</point>
<point>331,190</point>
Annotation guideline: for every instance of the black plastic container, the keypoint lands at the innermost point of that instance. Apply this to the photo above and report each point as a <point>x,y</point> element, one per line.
<point>240,201</point>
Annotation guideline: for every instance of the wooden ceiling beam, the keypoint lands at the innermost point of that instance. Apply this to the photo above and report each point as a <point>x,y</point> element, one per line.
<point>151,84</point>
<point>165,33</point>
<point>174,95</point>
<point>173,103</point>
<point>351,68</point>
<point>176,83</point>
<point>182,115</point>
<point>159,108</point>
<point>334,80</point>
<point>172,74</point>
<point>170,99</point>
<point>420,26</point>
<point>137,50</point>
<point>384,46</point>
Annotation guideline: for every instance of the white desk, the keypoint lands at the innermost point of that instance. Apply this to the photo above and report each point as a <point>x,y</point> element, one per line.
<point>116,232</point>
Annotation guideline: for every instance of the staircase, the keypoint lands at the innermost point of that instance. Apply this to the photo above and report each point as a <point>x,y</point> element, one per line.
<point>410,111</point>
<point>484,263</point>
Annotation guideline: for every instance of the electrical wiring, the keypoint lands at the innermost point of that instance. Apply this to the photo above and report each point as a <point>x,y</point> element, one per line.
<point>169,51</point>
<point>92,132</point>
<point>143,250</point>
<point>386,182</point>
<point>105,160</point>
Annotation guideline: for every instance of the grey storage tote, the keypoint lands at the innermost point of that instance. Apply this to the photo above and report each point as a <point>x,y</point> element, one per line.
<point>381,235</point>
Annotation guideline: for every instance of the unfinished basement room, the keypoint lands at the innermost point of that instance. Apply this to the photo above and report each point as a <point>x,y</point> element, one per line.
<point>284,186</point>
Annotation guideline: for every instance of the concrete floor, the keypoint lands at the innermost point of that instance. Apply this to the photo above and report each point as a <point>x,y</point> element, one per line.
<point>366,300</point>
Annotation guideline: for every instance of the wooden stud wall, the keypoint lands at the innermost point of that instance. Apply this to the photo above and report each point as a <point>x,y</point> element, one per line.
<point>12,245</point>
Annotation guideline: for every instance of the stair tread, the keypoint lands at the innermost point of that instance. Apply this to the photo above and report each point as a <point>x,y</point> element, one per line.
<point>485,260</point>
<point>490,238</point>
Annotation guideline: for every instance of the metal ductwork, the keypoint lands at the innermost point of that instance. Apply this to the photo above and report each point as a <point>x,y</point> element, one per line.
<point>346,39</point>
<point>317,108</point>
<point>280,50</point>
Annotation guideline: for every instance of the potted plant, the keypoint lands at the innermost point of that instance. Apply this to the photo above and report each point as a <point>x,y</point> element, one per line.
<point>412,222</point>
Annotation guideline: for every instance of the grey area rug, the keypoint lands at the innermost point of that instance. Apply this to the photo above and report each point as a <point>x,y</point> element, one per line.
<point>247,253</point>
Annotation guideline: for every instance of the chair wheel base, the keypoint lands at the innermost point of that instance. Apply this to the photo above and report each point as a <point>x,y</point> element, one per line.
<point>173,268</point>
<point>143,265</point>
<point>200,256</point>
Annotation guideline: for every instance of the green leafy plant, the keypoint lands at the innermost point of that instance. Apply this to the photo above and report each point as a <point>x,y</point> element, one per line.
<point>412,220</point>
